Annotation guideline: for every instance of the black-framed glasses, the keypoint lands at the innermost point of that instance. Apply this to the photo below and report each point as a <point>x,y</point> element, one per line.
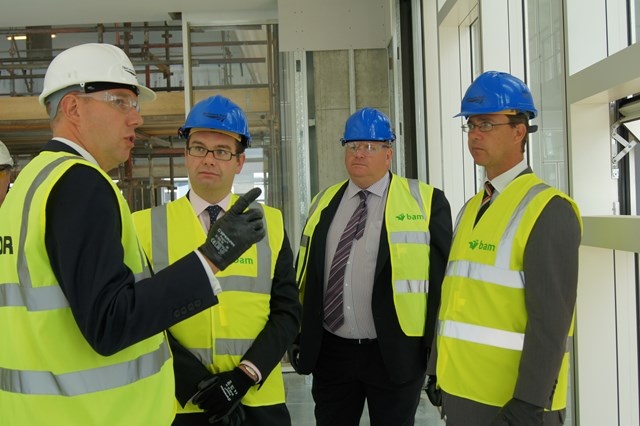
<point>367,148</point>
<point>218,153</point>
<point>121,102</point>
<point>485,126</point>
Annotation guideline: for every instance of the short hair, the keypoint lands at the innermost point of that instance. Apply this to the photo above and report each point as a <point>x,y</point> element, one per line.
<point>521,118</point>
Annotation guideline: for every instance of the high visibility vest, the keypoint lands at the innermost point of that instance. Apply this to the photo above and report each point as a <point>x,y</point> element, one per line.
<point>49,374</point>
<point>483,315</point>
<point>220,336</point>
<point>407,215</point>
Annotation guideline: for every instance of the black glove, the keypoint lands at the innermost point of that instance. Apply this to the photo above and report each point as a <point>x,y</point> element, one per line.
<point>293,353</point>
<point>220,395</point>
<point>235,232</point>
<point>234,418</point>
<point>519,413</point>
<point>433,392</point>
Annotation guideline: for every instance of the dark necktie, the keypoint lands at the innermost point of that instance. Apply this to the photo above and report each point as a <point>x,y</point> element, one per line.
<point>213,211</point>
<point>486,200</point>
<point>333,300</point>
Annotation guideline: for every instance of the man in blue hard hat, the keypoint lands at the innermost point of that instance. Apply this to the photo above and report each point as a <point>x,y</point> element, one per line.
<point>370,266</point>
<point>509,293</point>
<point>227,359</point>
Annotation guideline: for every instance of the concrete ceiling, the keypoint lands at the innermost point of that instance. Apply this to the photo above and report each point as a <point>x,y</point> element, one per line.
<point>65,12</point>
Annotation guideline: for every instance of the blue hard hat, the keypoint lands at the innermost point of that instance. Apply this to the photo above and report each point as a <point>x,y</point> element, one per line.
<point>218,113</point>
<point>368,124</point>
<point>495,91</point>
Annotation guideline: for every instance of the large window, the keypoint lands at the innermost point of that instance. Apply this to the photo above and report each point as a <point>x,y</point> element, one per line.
<point>545,59</point>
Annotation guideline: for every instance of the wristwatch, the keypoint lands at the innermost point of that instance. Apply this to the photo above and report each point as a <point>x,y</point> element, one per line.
<point>250,372</point>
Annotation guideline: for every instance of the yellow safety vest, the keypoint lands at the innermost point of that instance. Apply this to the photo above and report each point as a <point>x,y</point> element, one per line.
<point>483,315</point>
<point>49,374</point>
<point>407,216</point>
<point>221,335</point>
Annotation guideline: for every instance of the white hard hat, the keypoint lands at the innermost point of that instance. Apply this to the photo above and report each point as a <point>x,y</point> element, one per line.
<point>92,63</point>
<point>5,157</point>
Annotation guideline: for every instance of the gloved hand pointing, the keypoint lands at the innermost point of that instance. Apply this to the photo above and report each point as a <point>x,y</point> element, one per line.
<point>235,232</point>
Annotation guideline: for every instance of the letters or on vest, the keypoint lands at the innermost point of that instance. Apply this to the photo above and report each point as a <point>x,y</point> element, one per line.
<point>407,217</point>
<point>51,375</point>
<point>221,335</point>
<point>483,315</point>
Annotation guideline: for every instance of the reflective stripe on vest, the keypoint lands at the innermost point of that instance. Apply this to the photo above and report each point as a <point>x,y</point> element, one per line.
<point>479,334</point>
<point>486,335</point>
<point>86,381</point>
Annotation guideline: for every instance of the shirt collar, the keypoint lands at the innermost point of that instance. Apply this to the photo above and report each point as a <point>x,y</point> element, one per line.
<point>200,205</point>
<point>83,152</point>
<point>500,182</point>
<point>378,188</point>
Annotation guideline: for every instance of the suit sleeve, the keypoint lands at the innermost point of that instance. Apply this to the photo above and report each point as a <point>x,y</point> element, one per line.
<point>284,317</point>
<point>551,277</point>
<point>187,369</point>
<point>441,232</point>
<point>83,241</point>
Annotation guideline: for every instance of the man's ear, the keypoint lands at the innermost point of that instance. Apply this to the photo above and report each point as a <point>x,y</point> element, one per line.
<point>521,132</point>
<point>70,107</point>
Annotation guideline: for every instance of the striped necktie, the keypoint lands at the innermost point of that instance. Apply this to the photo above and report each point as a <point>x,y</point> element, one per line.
<point>333,300</point>
<point>486,200</point>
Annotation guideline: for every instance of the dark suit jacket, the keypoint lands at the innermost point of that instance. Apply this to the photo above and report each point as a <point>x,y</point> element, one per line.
<point>83,242</point>
<point>405,357</point>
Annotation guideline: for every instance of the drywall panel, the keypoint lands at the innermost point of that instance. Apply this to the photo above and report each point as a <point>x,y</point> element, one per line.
<point>586,33</point>
<point>333,24</point>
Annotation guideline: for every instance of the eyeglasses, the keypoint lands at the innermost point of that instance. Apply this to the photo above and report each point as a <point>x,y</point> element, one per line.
<point>218,154</point>
<point>485,126</point>
<point>367,148</point>
<point>122,103</point>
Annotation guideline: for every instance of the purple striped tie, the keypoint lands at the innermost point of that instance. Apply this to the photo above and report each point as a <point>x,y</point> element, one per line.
<point>333,301</point>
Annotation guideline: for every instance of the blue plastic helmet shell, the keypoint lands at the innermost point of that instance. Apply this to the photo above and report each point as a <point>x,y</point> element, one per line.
<point>218,113</point>
<point>494,91</point>
<point>368,124</point>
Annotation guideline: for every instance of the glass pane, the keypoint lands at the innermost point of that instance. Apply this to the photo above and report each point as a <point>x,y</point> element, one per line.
<point>547,147</point>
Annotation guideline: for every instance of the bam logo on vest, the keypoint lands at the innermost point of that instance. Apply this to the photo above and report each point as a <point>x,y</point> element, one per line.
<point>408,216</point>
<point>6,244</point>
<point>478,244</point>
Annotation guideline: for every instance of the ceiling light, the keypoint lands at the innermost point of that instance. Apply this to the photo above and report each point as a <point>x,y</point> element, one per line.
<point>22,37</point>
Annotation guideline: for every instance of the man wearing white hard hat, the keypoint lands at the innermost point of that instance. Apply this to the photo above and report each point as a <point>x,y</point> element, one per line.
<point>6,164</point>
<point>87,342</point>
